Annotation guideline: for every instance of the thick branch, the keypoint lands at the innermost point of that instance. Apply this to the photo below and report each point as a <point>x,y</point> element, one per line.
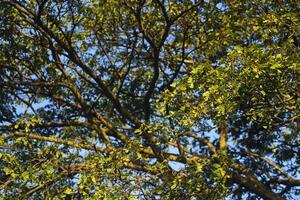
<point>288,182</point>
<point>60,141</point>
<point>256,187</point>
<point>223,137</point>
<point>250,182</point>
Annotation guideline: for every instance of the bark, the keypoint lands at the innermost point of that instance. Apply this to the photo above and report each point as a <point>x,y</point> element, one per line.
<point>256,187</point>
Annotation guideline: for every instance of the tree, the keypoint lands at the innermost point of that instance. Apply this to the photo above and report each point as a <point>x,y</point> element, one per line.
<point>158,99</point>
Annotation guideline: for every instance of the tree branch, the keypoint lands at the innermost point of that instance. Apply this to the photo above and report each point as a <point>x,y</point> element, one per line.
<point>256,187</point>
<point>250,182</point>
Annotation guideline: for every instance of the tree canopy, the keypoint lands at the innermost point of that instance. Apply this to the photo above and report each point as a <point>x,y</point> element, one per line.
<point>149,99</point>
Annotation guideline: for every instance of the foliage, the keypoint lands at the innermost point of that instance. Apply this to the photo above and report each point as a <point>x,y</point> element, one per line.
<point>145,99</point>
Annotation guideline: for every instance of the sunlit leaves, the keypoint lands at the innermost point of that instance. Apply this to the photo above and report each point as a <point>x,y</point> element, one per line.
<point>148,99</point>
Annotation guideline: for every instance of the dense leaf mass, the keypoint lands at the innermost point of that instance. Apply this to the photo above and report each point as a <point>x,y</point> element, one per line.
<point>149,99</point>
